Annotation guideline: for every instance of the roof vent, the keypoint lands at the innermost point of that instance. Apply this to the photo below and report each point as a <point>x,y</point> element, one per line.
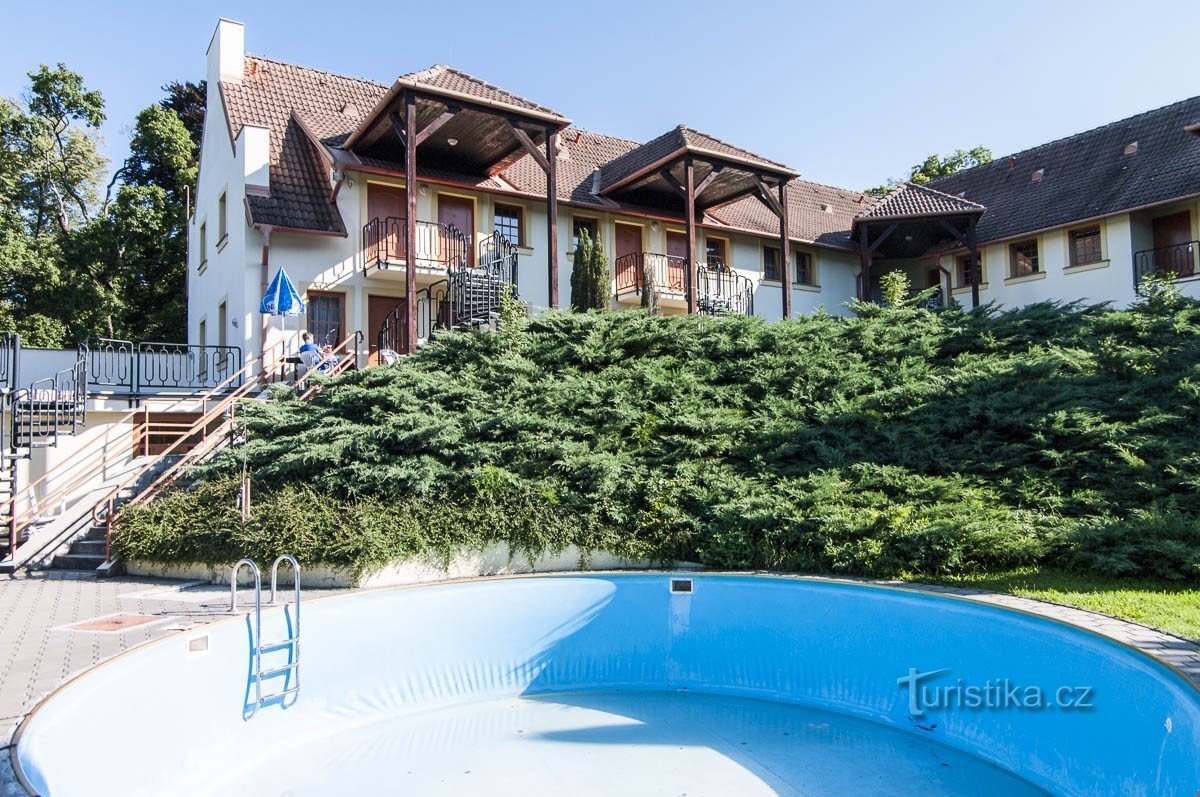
<point>1012,163</point>
<point>1193,129</point>
<point>1038,175</point>
<point>350,109</point>
<point>1130,149</point>
<point>826,208</point>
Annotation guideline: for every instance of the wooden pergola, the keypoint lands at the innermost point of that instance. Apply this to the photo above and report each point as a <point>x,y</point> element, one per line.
<point>462,126</point>
<point>703,172</point>
<point>913,221</point>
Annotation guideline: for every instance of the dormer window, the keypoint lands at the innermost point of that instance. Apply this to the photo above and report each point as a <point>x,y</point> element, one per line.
<point>1130,149</point>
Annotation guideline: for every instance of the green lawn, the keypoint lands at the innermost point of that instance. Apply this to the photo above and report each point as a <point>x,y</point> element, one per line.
<point>1169,605</point>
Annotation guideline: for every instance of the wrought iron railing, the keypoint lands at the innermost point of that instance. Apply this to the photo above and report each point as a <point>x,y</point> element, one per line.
<point>437,245</point>
<point>1182,260</point>
<point>665,271</point>
<point>158,367</point>
<point>10,355</point>
<point>720,290</point>
<point>166,366</point>
<point>50,407</point>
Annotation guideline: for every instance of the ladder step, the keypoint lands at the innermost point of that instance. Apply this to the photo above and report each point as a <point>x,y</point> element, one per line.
<point>278,645</point>
<point>279,670</point>
<point>277,695</point>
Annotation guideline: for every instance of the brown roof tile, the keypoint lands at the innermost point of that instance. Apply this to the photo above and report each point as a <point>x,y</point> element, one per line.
<point>913,201</point>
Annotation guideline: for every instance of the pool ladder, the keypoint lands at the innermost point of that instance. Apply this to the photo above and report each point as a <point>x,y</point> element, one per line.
<point>292,643</point>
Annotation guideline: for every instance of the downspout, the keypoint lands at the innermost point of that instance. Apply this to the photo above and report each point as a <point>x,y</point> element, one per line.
<point>262,291</point>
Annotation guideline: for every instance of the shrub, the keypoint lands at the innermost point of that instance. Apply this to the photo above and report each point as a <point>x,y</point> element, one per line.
<point>900,441</point>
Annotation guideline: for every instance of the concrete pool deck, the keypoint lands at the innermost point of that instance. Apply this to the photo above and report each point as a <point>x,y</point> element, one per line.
<point>42,645</point>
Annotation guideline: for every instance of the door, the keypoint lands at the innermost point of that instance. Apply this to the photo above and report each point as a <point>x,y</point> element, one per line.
<point>677,255</point>
<point>379,313</point>
<point>1173,247</point>
<point>459,212</point>
<point>629,244</point>
<point>389,207</point>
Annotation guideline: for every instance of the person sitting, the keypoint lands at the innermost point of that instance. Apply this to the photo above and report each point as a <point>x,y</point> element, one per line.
<point>310,356</point>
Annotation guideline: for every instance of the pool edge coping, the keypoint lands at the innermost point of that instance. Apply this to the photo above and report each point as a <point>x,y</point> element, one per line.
<point>961,594</point>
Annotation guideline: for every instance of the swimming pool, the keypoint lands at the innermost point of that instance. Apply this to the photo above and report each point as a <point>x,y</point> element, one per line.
<point>630,684</point>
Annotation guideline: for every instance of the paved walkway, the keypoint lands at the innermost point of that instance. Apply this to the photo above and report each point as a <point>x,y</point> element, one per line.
<point>41,645</point>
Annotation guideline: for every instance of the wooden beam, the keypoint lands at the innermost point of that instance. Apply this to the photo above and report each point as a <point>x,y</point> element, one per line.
<point>530,146</point>
<point>955,233</point>
<point>764,194</point>
<point>785,246</point>
<point>707,181</point>
<point>398,128</point>
<point>410,225</point>
<point>551,159</point>
<point>435,125</point>
<point>671,181</point>
<point>878,242</point>
<point>973,249</point>
<point>689,198</point>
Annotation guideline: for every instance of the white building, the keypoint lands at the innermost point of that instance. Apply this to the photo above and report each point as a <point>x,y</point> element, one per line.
<point>306,170</point>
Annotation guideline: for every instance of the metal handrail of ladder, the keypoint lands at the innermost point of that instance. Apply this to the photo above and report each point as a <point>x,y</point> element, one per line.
<point>257,646</point>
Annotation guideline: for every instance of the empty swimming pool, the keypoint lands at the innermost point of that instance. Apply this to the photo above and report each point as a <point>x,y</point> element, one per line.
<point>629,684</point>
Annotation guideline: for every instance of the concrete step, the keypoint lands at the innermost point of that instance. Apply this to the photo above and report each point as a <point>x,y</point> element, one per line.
<point>88,547</point>
<point>76,561</point>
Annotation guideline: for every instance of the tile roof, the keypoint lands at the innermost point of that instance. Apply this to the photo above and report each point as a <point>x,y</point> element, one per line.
<point>679,139</point>
<point>332,105</point>
<point>1087,175</point>
<point>298,104</point>
<point>446,78</point>
<point>913,201</point>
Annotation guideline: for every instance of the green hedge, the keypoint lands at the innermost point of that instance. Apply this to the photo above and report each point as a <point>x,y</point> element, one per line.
<point>894,442</point>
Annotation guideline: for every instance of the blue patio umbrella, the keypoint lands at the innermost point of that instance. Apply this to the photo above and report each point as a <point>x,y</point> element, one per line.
<point>282,297</point>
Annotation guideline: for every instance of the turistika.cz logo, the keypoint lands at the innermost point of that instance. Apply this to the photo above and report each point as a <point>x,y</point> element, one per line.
<point>1000,694</point>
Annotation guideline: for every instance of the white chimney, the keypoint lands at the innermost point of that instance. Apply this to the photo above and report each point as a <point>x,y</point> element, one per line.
<point>227,52</point>
<point>253,147</point>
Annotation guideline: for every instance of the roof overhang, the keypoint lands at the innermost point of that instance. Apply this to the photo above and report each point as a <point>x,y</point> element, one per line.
<point>719,178</point>
<point>482,128</point>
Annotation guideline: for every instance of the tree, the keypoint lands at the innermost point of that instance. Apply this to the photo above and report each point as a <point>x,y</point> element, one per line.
<point>590,281</point>
<point>187,100</point>
<point>936,166</point>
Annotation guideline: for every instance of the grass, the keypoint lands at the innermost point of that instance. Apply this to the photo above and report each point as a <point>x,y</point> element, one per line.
<point>1168,605</point>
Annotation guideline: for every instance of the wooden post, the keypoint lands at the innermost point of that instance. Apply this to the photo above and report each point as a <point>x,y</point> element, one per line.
<point>864,280</point>
<point>785,254</point>
<point>552,213</point>
<point>689,198</point>
<point>410,224</point>
<point>973,248</point>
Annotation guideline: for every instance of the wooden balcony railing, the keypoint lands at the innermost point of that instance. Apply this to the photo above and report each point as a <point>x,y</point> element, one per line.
<point>1182,260</point>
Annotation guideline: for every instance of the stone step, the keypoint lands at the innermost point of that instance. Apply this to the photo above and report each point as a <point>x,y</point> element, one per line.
<point>76,561</point>
<point>88,547</point>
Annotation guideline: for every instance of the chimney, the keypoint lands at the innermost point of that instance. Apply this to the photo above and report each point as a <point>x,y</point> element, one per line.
<point>227,52</point>
<point>1012,163</point>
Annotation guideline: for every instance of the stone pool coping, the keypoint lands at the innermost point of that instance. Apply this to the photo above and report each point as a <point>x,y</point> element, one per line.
<point>39,651</point>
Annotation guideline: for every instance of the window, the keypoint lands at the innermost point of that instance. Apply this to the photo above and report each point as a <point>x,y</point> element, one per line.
<point>771,263</point>
<point>1085,246</point>
<point>592,227</point>
<point>203,244</point>
<point>222,223</point>
<point>507,221</point>
<point>962,271</point>
<point>802,269</point>
<point>715,251</point>
<point>1024,259</point>
<point>325,317</point>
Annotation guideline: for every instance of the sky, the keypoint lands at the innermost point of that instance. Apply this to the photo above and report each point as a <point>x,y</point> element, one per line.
<point>847,93</point>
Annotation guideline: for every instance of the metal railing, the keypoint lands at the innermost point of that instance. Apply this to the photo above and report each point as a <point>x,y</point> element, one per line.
<point>50,407</point>
<point>666,272</point>
<point>1182,260</point>
<point>337,360</point>
<point>158,367</point>
<point>437,245</point>
<point>720,290</point>
<point>10,356</point>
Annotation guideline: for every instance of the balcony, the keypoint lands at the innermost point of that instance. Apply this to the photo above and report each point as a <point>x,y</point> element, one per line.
<point>438,247</point>
<point>1182,260</point>
<point>720,290</point>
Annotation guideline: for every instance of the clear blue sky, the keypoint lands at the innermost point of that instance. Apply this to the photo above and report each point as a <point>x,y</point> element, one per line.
<point>849,93</point>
